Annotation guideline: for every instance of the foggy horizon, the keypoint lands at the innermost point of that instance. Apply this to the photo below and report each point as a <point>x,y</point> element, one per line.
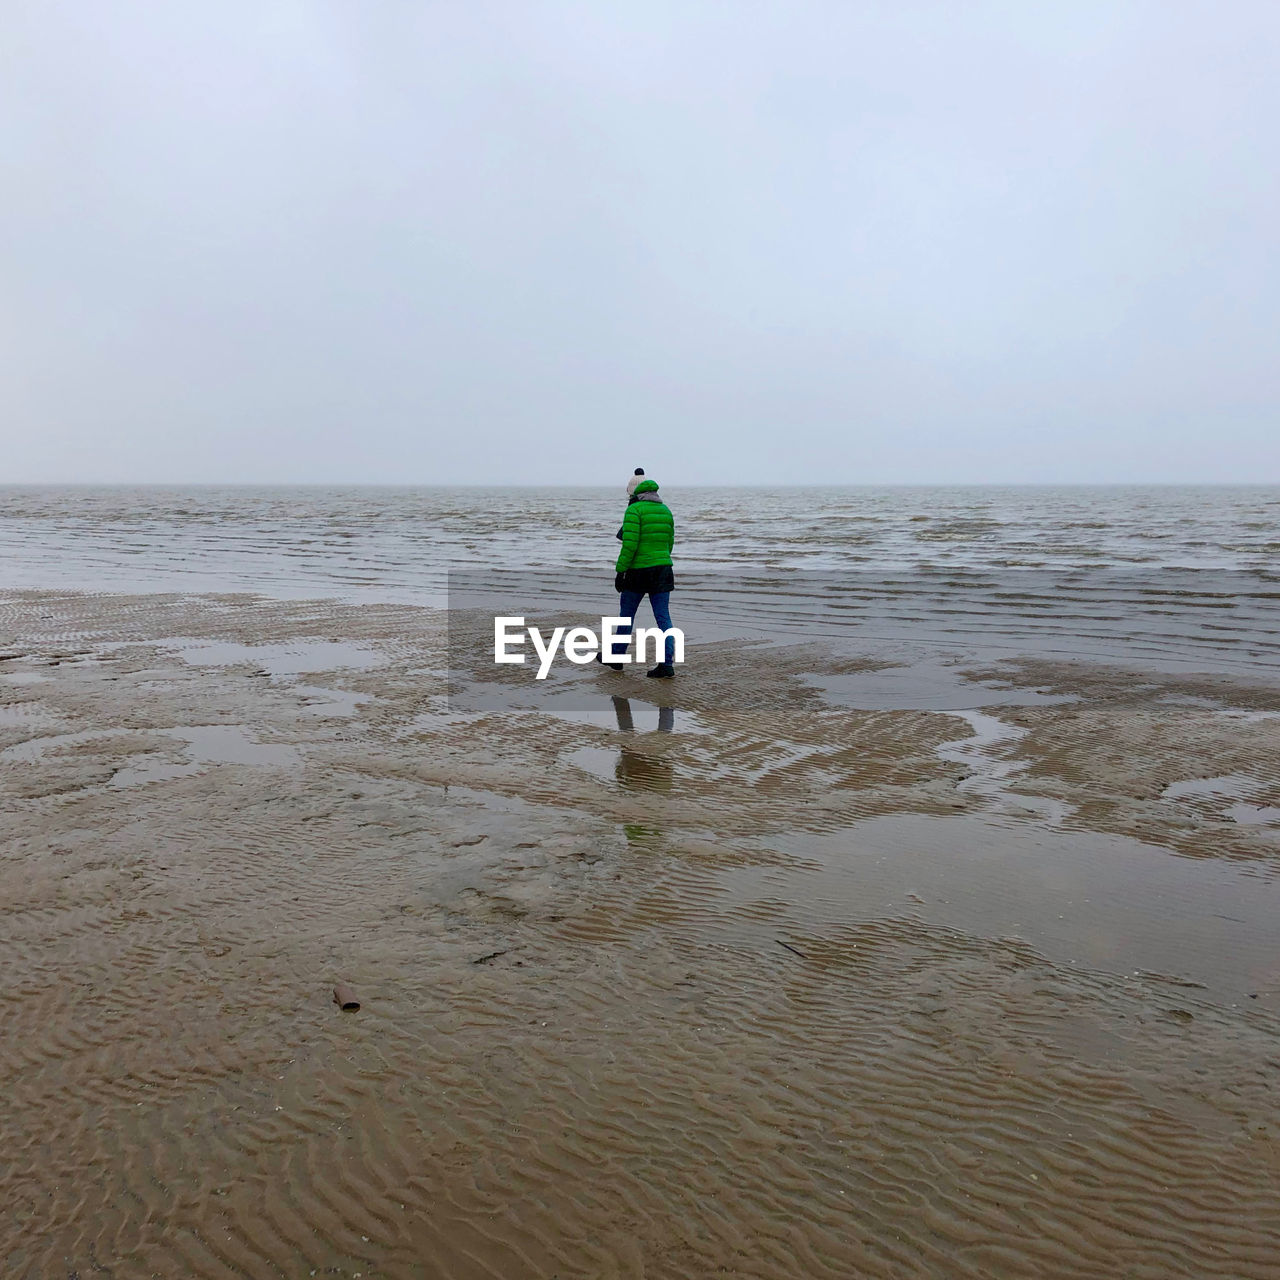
<point>606,485</point>
<point>794,245</point>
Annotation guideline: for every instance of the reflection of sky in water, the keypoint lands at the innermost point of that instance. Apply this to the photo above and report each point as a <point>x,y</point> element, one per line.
<point>293,658</point>
<point>627,714</point>
<point>200,745</point>
<point>1230,796</point>
<point>1081,897</point>
<point>631,767</point>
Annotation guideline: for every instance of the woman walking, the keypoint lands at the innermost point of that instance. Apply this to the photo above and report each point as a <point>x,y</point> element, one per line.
<point>644,567</point>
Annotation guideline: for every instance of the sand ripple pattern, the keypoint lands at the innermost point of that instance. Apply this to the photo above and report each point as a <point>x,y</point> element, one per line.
<point>583,1051</point>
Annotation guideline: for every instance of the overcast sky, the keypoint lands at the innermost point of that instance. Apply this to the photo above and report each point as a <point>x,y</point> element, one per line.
<point>390,240</point>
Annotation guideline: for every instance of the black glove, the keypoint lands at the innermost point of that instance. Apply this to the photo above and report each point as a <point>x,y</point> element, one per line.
<point>620,582</point>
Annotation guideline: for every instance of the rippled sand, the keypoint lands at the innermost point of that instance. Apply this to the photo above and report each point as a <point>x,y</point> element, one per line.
<point>661,983</point>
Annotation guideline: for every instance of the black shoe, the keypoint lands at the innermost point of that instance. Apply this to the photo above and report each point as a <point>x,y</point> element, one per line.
<point>613,666</point>
<point>663,671</point>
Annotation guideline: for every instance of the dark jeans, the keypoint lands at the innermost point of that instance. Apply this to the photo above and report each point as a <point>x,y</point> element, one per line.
<point>659,602</point>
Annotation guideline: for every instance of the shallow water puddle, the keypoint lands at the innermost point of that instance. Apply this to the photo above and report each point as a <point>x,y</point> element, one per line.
<point>22,715</point>
<point>33,748</point>
<point>1254,814</point>
<point>627,715</point>
<point>297,657</point>
<point>205,745</point>
<point>210,744</point>
<point>1211,788</point>
<point>439,722</point>
<point>285,662</point>
<point>630,769</point>
<point>1248,715</point>
<point>921,686</point>
<point>646,768</point>
<point>1082,898</point>
<point>990,777</point>
<point>1229,796</point>
<point>600,762</point>
<point>321,701</point>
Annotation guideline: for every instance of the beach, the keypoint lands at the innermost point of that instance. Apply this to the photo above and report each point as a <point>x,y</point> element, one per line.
<point>923,926</point>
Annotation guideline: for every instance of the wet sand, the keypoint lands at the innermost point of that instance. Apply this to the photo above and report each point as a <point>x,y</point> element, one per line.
<point>977,979</point>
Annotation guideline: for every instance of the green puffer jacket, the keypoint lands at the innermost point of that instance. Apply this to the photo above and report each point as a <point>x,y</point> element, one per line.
<point>648,531</point>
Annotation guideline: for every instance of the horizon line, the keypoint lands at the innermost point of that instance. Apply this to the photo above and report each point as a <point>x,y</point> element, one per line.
<point>689,484</point>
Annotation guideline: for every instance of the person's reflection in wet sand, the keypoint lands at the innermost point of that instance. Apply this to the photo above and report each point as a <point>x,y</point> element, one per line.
<point>638,770</point>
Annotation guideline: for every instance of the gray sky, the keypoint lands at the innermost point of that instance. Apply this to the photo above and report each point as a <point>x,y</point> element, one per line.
<point>736,242</point>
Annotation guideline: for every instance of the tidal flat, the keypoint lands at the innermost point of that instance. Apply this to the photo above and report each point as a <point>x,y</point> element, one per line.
<point>734,976</point>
